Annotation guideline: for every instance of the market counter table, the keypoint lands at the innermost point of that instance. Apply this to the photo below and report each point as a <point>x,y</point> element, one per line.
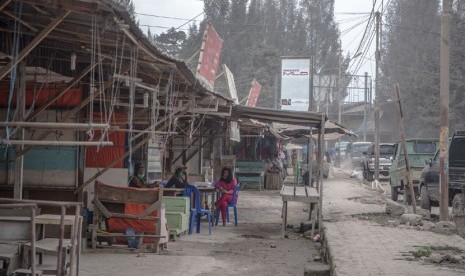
<point>300,194</point>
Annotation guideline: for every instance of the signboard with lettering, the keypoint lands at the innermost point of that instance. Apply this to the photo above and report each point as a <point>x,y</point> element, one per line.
<point>295,83</point>
<point>209,58</point>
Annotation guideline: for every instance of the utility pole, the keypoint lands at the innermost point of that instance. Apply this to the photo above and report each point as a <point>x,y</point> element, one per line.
<point>276,99</point>
<point>365,111</point>
<point>378,90</point>
<point>339,103</point>
<point>444,112</point>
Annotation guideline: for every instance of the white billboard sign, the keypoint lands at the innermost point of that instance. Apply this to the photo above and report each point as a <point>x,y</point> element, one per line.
<point>295,83</point>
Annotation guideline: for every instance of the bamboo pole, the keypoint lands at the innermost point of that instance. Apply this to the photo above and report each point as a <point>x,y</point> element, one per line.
<point>46,125</point>
<point>404,145</point>
<point>54,143</point>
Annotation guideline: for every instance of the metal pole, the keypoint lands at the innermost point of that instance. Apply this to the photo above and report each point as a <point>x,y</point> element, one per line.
<point>276,99</point>
<point>378,90</point>
<point>365,111</point>
<point>310,96</point>
<point>339,117</point>
<point>444,112</point>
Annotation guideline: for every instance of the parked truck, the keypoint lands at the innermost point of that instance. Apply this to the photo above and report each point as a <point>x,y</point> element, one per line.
<point>418,151</point>
<point>429,182</point>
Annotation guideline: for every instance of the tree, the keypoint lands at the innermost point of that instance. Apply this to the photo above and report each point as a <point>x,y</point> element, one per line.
<point>412,60</point>
<point>171,41</point>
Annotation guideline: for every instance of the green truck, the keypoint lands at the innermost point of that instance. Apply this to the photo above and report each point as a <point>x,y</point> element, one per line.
<point>418,151</point>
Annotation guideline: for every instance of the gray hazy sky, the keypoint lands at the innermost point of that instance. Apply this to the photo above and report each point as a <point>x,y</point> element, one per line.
<point>187,9</point>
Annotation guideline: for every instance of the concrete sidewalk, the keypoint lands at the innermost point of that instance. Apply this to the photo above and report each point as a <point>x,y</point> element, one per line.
<point>364,247</point>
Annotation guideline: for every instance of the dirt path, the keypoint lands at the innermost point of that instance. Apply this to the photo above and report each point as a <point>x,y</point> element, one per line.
<point>255,247</point>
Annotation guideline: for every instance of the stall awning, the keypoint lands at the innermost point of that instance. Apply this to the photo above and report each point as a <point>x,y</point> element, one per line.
<point>333,130</point>
<point>301,118</point>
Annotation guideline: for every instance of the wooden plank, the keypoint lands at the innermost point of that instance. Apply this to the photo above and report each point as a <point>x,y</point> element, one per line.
<point>305,199</point>
<point>312,192</point>
<point>287,191</point>
<point>300,191</point>
<point>14,218</point>
<point>54,219</point>
<point>118,215</point>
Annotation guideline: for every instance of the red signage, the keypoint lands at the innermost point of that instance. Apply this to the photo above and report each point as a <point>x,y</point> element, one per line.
<point>209,59</point>
<point>254,93</point>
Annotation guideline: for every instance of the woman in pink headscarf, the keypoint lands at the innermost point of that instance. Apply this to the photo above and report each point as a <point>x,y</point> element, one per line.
<point>226,186</point>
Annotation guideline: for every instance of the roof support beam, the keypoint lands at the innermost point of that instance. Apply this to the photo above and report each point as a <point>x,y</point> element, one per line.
<point>77,108</point>
<point>126,154</point>
<point>62,91</point>
<point>7,69</point>
<point>4,3</point>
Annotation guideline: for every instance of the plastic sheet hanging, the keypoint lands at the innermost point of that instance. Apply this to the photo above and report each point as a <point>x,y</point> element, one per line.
<point>234,132</point>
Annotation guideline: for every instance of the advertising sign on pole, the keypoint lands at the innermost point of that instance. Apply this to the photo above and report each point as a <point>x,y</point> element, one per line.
<point>209,58</point>
<point>295,83</point>
<point>254,93</point>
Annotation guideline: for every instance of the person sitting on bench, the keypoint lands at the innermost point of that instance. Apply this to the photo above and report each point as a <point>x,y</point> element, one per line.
<point>179,178</point>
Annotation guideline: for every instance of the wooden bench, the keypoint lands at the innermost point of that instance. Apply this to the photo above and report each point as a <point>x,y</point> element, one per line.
<point>177,214</point>
<point>300,194</point>
<point>250,174</point>
<point>112,202</point>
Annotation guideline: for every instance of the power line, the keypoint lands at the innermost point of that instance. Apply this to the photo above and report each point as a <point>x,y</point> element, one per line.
<point>167,17</point>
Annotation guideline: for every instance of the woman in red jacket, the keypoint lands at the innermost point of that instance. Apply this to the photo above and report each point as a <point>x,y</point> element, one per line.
<point>226,186</point>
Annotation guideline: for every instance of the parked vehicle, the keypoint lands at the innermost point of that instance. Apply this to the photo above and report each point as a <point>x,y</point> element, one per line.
<point>418,151</point>
<point>355,153</point>
<point>386,151</point>
<point>429,181</point>
<point>342,149</point>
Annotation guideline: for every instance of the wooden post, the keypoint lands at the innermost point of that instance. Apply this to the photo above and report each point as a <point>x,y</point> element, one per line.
<point>21,107</point>
<point>444,113</point>
<point>321,137</point>
<point>404,145</point>
<point>378,93</point>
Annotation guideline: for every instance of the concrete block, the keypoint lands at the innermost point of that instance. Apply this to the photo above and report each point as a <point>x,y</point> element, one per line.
<point>317,269</point>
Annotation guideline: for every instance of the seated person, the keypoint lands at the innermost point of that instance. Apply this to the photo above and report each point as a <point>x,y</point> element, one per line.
<point>137,179</point>
<point>179,178</point>
<point>226,186</point>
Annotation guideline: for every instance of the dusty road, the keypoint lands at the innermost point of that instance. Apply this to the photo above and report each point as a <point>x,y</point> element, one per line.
<point>255,247</point>
<point>363,240</point>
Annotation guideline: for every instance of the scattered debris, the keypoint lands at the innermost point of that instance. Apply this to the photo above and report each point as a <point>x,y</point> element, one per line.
<point>411,219</point>
<point>394,208</point>
<point>444,227</point>
<point>316,238</point>
<point>440,255</point>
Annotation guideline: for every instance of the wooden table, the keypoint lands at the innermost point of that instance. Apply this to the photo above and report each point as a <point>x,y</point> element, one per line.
<point>300,194</point>
<point>50,245</point>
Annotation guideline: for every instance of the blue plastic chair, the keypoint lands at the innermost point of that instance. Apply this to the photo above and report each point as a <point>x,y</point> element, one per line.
<point>197,212</point>
<point>232,204</point>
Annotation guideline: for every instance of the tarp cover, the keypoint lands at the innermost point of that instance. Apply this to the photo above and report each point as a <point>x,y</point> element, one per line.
<point>101,157</point>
